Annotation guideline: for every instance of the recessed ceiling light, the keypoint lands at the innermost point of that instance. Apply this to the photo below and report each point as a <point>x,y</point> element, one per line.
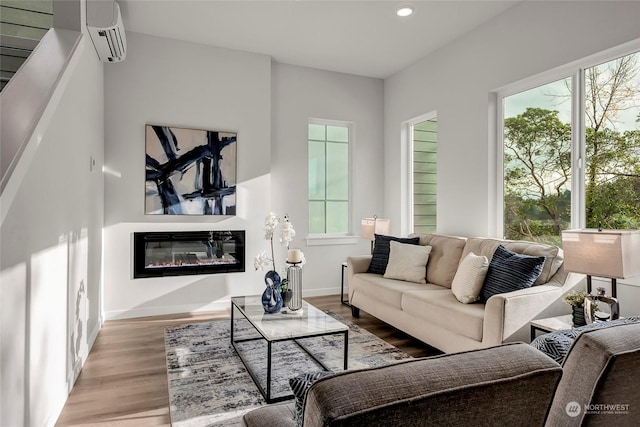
<point>405,11</point>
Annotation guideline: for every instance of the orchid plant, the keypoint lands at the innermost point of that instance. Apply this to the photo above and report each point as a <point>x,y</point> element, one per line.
<point>287,233</point>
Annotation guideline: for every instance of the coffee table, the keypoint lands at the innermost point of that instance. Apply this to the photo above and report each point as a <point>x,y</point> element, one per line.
<point>278,327</point>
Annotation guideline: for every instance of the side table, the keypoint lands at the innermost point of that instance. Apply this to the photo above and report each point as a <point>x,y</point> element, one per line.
<point>551,324</point>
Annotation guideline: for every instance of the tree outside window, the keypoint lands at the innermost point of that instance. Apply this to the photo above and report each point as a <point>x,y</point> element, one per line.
<point>537,154</point>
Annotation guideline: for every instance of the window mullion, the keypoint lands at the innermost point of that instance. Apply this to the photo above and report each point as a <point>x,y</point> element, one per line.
<point>326,175</point>
<point>578,147</point>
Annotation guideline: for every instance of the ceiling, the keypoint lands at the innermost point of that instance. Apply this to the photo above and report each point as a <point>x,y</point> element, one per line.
<point>356,37</point>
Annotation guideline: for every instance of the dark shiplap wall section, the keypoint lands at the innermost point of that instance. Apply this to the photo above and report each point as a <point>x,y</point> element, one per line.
<point>425,141</point>
<point>26,21</point>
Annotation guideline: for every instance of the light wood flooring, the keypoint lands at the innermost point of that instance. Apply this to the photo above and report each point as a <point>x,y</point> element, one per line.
<point>124,380</point>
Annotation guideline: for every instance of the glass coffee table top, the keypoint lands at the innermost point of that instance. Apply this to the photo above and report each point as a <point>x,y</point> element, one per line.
<point>286,334</point>
<point>284,326</point>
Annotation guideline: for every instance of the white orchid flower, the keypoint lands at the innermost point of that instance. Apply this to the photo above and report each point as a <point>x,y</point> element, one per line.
<point>270,223</point>
<point>261,261</point>
<point>287,233</point>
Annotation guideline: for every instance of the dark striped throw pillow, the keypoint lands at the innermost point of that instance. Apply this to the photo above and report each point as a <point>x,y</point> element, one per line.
<point>381,249</point>
<point>509,271</point>
<point>300,386</point>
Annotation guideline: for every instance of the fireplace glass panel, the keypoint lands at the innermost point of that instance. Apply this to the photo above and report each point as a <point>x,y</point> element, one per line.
<point>160,254</point>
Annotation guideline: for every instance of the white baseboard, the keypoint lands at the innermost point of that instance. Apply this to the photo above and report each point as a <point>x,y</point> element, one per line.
<point>59,398</point>
<point>94,334</point>
<point>321,292</point>
<point>160,311</point>
<point>222,305</point>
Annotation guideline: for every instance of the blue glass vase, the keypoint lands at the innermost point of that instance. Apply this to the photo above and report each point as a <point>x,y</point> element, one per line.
<point>271,298</point>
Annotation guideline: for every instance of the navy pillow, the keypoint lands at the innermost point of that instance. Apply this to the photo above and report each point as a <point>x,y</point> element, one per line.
<point>509,271</point>
<point>381,249</point>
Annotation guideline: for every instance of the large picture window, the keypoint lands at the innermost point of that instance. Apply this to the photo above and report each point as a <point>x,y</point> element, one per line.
<point>329,177</point>
<point>571,152</point>
<point>537,162</point>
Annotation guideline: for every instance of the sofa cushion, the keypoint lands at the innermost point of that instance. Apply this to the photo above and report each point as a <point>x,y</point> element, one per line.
<point>276,414</point>
<point>469,278</point>
<point>441,308</point>
<point>381,252</point>
<point>445,256</point>
<point>407,262</point>
<point>509,271</point>
<point>487,246</point>
<point>386,291</point>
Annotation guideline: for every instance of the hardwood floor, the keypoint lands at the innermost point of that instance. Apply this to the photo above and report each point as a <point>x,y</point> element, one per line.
<point>124,381</point>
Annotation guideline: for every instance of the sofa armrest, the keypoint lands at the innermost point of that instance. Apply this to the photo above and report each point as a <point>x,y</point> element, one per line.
<point>358,264</point>
<point>408,393</point>
<point>505,314</point>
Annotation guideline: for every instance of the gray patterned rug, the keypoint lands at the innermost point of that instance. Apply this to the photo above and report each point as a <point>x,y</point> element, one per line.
<point>209,385</point>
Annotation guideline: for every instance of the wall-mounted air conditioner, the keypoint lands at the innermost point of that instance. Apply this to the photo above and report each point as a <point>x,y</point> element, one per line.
<point>104,23</point>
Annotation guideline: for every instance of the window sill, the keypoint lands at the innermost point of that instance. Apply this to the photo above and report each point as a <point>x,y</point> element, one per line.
<point>327,240</point>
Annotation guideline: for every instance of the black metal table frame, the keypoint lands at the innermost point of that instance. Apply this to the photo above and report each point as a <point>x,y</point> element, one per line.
<point>342,300</point>
<point>267,393</point>
<point>535,328</point>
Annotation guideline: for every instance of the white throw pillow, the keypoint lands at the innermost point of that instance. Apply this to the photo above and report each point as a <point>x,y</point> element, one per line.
<point>407,262</point>
<point>467,283</point>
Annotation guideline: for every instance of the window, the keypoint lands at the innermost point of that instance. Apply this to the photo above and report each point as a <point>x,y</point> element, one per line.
<point>329,177</point>
<point>423,174</point>
<point>612,151</point>
<point>537,162</point>
<point>571,152</point>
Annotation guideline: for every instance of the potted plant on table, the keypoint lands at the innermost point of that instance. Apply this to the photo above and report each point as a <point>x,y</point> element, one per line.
<point>272,299</point>
<point>576,300</point>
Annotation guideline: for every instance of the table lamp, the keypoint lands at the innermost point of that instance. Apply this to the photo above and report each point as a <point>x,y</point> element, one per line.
<point>613,254</point>
<point>373,226</point>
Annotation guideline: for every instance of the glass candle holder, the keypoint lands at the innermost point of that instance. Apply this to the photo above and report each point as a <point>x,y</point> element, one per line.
<point>294,283</point>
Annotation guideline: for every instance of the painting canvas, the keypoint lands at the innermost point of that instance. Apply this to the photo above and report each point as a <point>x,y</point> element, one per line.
<point>190,171</point>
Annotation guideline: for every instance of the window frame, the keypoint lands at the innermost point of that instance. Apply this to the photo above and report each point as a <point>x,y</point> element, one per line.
<point>407,136</point>
<point>319,239</point>
<point>575,70</point>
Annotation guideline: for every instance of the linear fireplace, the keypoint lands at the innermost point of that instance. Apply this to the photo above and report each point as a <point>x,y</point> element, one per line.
<point>158,254</point>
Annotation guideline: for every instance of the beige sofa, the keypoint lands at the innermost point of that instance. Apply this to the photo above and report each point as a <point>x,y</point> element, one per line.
<point>431,313</point>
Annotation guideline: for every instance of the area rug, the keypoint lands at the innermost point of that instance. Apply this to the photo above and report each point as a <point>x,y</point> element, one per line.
<point>210,386</point>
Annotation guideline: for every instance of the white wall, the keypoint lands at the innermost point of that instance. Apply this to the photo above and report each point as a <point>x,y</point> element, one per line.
<point>302,93</point>
<point>169,82</point>
<point>51,252</point>
<point>456,81</point>
<point>175,83</point>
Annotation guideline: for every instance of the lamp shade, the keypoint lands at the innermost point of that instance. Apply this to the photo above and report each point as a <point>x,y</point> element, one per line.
<point>608,253</point>
<point>373,226</point>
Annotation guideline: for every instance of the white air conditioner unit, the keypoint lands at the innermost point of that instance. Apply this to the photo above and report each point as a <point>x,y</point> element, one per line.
<point>104,23</point>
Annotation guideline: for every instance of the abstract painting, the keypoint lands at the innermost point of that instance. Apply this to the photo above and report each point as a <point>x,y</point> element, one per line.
<point>190,171</point>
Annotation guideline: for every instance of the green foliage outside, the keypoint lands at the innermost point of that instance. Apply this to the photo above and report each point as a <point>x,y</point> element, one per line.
<point>538,177</point>
<point>537,168</point>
